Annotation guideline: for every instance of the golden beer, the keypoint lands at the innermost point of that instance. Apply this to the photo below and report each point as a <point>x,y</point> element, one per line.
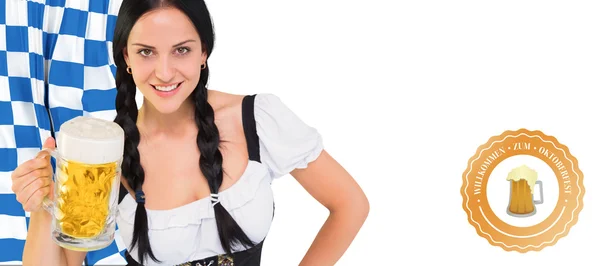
<point>522,186</point>
<point>521,198</point>
<point>83,197</point>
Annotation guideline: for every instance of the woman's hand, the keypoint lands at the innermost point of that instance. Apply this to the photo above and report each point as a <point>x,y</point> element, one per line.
<point>32,180</point>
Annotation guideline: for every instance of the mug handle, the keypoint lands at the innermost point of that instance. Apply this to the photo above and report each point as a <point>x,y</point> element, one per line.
<point>48,204</point>
<point>541,193</point>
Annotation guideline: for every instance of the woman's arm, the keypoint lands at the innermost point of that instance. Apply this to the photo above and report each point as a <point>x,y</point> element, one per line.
<point>329,183</point>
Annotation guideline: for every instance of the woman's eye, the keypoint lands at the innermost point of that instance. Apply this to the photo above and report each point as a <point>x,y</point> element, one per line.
<point>145,52</point>
<point>182,50</point>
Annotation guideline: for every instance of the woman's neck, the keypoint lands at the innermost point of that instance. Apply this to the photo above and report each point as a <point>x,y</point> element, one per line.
<point>154,124</point>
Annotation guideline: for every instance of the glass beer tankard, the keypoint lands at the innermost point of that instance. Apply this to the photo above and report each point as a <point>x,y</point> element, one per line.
<point>86,183</point>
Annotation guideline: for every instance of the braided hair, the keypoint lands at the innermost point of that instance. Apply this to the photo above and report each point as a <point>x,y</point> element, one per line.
<point>208,140</point>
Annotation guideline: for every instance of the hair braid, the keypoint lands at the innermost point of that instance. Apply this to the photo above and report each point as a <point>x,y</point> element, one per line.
<point>211,165</point>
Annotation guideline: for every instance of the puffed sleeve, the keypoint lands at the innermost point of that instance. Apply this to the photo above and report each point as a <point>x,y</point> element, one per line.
<point>286,142</point>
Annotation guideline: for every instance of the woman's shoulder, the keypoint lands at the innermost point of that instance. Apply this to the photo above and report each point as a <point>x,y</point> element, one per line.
<point>222,100</point>
<point>254,106</point>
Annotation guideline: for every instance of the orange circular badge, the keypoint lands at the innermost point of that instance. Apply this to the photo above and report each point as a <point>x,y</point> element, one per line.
<point>522,190</point>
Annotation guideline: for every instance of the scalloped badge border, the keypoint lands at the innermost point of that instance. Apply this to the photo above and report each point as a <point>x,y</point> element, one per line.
<point>510,241</point>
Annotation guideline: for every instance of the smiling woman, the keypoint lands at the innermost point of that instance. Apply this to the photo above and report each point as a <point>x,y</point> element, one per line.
<point>165,69</point>
<point>198,163</point>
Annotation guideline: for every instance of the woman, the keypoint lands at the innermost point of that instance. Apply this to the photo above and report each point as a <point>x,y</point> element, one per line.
<point>198,163</point>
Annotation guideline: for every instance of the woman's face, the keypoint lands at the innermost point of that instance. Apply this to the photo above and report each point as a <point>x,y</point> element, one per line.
<point>165,55</point>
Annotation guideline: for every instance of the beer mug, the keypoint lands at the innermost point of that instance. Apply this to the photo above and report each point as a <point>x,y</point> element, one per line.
<point>86,183</point>
<point>522,183</point>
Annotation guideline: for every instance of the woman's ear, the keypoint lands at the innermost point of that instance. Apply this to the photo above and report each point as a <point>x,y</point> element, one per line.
<point>126,56</point>
<point>204,53</point>
<point>204,56</point>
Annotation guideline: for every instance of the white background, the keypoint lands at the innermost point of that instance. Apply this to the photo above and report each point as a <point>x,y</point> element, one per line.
<point>404,92</point>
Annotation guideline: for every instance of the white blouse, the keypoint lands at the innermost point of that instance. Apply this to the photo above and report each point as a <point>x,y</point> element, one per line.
<point>189,232</point>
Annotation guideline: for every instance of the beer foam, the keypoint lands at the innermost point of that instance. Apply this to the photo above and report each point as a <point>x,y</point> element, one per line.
<point>524,172</point>
<point>90,140</point>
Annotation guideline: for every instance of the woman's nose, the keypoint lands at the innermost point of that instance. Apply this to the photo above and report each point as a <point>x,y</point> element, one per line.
<point>164,69</point>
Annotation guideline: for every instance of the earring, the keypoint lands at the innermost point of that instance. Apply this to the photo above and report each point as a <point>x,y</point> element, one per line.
<point>203,66</point>
<point>129,70</point>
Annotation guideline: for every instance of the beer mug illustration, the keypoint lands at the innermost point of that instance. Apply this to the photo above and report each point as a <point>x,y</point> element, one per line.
<point>86,183</point>
<point>522,187</point>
